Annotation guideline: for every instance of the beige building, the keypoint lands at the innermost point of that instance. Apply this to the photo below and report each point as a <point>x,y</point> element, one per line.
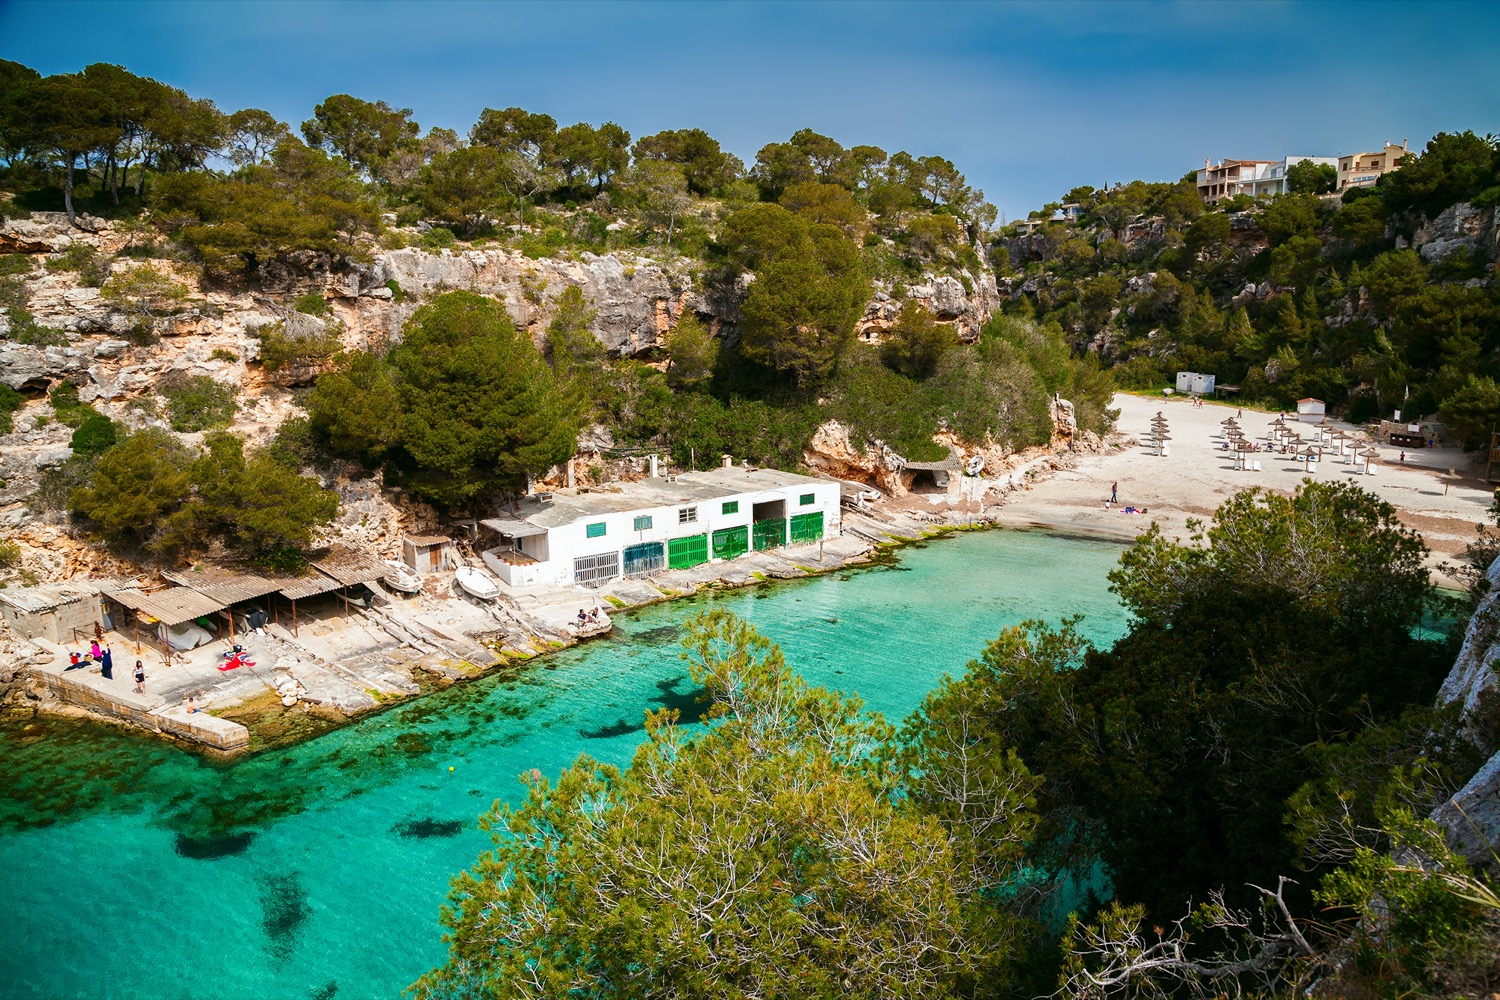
<point>1364,169</point>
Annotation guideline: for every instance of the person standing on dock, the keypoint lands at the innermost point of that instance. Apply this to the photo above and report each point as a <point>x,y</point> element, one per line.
<point>140,677</point>
<point>107,664</point>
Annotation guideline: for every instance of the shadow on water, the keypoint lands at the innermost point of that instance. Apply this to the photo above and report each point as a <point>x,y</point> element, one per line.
<point>689,704</point>
<point>211,848</point>
<point>660,636</point>
<point>327,991</point>
<point>284,909</point>
<point>428,828</point>
<point>617,728</point>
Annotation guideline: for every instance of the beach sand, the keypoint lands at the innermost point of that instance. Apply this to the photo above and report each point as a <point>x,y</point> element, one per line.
<point>1198,475</point>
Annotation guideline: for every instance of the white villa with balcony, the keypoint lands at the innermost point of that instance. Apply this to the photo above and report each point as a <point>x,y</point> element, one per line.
<point>1257,178</point>
<point>592,536</point>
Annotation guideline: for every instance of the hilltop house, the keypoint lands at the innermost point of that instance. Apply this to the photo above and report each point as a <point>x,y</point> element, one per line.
<point>1364,169</point>
<point>1257,178</point>
<point>674,522</point>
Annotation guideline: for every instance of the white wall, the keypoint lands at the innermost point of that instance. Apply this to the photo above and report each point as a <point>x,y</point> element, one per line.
<point>571,540</point>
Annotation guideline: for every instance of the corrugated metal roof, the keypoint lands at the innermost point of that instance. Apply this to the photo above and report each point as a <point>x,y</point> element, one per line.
<point>428,539</point>
<point>311,585</point>
<point>173,606</point>
<point>349,567</point>
<point>224,585</point>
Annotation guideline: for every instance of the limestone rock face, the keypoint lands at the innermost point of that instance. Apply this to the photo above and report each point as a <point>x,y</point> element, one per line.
<point>965,307</point>
<point>1458,227</point>
<point>832,452</point>
<point>637,300</point>
<point>1472,817</point>
<point>24,366</point>
<point>1474,670</point>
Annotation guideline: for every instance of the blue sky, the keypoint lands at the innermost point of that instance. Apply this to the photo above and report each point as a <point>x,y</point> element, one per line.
<point>1028,99</point>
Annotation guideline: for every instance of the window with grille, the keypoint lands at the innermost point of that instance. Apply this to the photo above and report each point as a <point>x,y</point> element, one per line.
<point>687,515</point>
<point>731,507</point>
<point>807,498</point>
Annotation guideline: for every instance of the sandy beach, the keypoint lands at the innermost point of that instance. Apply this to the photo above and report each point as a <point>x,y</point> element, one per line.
<point>1198,475</point>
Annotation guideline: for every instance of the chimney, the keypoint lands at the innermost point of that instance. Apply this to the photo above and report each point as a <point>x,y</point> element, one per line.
<point>728,461</point>
<point>655,471</point>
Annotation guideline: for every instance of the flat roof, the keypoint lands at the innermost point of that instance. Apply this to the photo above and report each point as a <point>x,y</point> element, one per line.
<point>46,596</point>
<point>428,539</point>
<point>684,489</point>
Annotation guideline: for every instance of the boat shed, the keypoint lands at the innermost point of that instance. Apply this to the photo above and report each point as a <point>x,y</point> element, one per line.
<point>592,536</point>
<point>59,612</point>
<point>426,553</point>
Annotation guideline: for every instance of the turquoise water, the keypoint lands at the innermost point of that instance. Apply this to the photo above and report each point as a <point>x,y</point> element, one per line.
<point>130,868</point>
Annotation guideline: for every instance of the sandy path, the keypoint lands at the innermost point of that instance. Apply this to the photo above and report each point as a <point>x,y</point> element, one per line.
<point>1197,476</point>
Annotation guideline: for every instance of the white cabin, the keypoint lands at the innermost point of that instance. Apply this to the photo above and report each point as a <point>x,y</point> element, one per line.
<point>673,522</point>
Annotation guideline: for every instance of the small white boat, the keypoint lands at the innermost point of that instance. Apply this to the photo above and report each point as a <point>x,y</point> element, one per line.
<point>402,577</point>
<point>477,583</point>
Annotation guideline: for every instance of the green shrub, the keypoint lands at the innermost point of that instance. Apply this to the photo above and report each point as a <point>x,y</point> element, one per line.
<point>437,238</point>
<point>91,266</point>
<point>398,294</point>
<point>14,263</point>
<point>69,409</point>
<point>10,402</point>
<point>278,350</point>
<point>197,402</point>
<point>96,435</point>
<point>313,304</point>
<point>223,354</point>
<point>24,329</point>
<point>10,553</point>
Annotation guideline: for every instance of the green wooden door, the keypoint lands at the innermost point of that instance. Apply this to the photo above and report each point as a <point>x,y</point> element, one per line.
<point>807,527</point>
<point>769,534</point>
<point>685,552</point>
<point>731,542</point>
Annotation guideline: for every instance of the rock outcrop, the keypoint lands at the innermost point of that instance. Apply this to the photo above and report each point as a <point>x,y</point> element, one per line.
<point>1458,227</point>
<point>1471,818</point>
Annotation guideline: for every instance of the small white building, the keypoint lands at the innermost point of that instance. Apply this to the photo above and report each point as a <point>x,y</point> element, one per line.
<point>673,522</point>
<point>1195,383</point>
<point>1310,411</point>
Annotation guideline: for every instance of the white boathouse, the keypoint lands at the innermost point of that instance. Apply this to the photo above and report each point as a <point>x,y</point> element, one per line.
<point>672,522</point>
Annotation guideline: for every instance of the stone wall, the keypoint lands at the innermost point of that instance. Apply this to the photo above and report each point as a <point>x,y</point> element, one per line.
<point>220,734</point>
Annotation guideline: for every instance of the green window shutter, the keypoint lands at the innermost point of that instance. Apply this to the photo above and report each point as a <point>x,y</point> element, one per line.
<point>595,530</point>
<point>807,527</point>
<point>808,498</point>
<point>731,542</point>
<point>731,507</point>
<point>643,522</point>
<point>769,534</point>
<point>685,552</point>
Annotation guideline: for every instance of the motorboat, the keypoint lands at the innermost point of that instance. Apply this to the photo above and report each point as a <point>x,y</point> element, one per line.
<point>477,583</point>
<point>402,577</point>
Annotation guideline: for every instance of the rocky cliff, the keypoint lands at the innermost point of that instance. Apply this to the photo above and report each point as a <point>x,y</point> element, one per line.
<point>1472,816</point>
<point>118,360</point>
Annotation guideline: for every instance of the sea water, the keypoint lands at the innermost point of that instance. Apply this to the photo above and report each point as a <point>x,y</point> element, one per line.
<point>132,868</point>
